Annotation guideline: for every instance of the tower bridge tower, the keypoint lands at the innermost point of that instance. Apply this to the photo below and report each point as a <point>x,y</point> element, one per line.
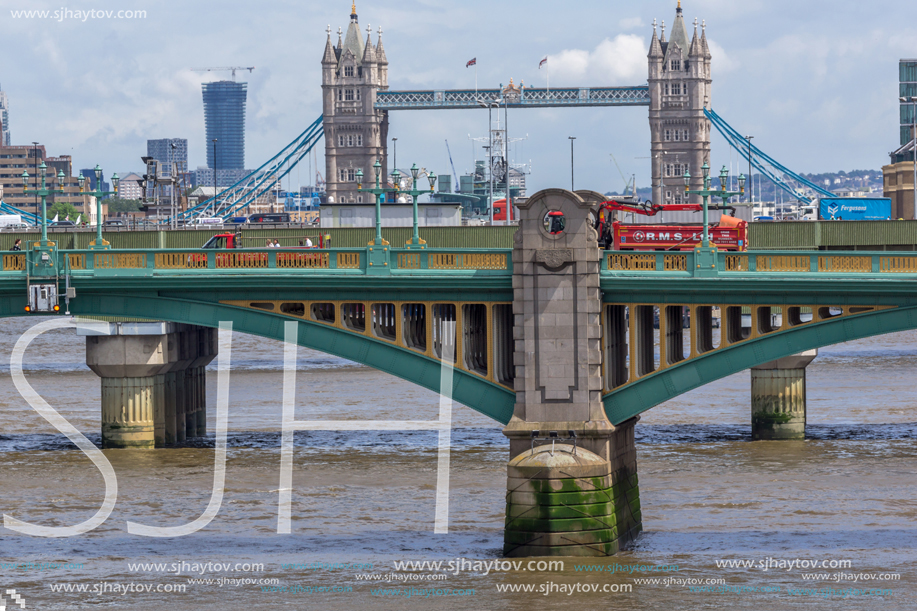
<point>355,132</point>
<point>679,87</point>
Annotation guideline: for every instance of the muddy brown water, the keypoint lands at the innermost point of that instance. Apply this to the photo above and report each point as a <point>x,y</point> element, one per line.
<point>364,501</point>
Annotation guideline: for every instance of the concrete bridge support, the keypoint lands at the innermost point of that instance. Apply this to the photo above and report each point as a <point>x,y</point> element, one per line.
<point>153,381</point>
<point>778,397</point>
<point>572,478</point>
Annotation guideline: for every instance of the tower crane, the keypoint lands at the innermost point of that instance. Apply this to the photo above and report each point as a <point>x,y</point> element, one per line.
<point>221,69</point>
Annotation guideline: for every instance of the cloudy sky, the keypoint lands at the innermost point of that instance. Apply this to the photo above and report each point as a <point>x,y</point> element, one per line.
<point>814,81</point>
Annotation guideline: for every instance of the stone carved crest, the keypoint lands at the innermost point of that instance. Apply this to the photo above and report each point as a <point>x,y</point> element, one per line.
<point>554,258</point>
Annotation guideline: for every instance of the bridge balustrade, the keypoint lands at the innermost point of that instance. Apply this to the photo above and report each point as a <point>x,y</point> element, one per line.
<point>637,262</point>
<point>136,261</point>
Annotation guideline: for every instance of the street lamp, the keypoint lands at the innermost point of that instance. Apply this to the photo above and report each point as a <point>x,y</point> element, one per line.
<point>707,192</point>
<point>415,241</point>
<point>572,138</point>
<point>98,193</point>
<point>44,191</point>
<point>395,153</point>
<point>214,202</point>
<point>378,192</point>
<point>35,164</point>
<point>490,105</point>
<point>913,101</point>
<point>751,197</point>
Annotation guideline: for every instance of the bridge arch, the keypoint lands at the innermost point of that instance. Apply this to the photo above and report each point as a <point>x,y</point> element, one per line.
<point>649,391</point>
<point>470,390</point>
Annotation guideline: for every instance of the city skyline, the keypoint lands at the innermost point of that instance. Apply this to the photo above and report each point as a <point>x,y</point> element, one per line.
<point>818,90</point>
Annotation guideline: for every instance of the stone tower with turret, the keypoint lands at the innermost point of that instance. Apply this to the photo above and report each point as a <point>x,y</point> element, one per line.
<point>679,87</point>
<point>355,132</point>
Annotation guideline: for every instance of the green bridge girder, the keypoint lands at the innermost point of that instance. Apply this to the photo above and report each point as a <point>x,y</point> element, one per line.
<point>186,293</point>
<point>490,399</point>
<point>678,379</point>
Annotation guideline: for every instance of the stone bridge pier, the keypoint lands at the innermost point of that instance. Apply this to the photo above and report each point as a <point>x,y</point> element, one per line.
<point>153,380</point>
<point>572,476</point>
<point>778,397</point>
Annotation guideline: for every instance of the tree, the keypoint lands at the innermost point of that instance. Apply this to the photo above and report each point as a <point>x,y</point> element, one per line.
<point>63,211</point>
<point>117,204</point>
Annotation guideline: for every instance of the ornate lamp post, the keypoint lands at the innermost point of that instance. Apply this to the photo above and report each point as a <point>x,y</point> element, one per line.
<point>378,191</point>
<point>706,192</point>
<point>44,192</point>
<point>415,241</point>
<point>99,243</point>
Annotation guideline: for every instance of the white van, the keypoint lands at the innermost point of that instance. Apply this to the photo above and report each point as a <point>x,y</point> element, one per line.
<point>7,220</point>
<point>214,220</point>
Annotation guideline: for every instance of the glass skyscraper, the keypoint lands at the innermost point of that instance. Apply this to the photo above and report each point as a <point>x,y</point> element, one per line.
<point>907,88</point>
<point>166,150</point>
<point>224,120</point>
<point>5,119</point>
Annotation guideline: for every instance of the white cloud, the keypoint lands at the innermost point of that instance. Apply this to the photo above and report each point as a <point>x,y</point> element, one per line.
<point>617,61</point>
<point>720,61</point>
<point>630,23</point>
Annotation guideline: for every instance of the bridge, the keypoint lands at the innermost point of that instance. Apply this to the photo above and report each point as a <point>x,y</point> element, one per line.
<point>554,338</point>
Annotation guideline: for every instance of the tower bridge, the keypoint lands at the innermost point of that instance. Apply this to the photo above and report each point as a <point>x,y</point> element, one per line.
<point>356,100</point>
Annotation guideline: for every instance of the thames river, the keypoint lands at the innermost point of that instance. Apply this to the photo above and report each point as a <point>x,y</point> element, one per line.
<point>829,522</point>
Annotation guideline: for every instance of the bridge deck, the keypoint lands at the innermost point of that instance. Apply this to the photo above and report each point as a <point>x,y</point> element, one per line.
<point>757,266</point>
<point>385,307</point>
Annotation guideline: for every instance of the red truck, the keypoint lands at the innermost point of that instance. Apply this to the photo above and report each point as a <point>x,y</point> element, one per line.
<point>500,211</point>
<point>235,240</point>
<point>729,233</point>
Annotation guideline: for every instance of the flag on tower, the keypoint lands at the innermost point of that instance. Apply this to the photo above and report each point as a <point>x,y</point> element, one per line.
<point>472,62</point>
<point>543,62</point>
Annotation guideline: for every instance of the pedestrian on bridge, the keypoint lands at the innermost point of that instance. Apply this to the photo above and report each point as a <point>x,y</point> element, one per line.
<point>17,245</point>
<point>269,244</point>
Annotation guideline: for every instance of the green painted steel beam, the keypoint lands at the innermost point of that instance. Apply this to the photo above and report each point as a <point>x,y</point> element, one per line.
<point>647,392</point>
<point>490,399</point>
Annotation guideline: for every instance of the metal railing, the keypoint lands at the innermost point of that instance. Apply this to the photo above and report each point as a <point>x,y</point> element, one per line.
<point>179,261</point>
<point>791,264</point>
<point>481,261</point>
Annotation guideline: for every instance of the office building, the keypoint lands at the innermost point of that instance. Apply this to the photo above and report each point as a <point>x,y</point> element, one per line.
<point>203,177</point>
<point>907,88</point>
<point>169,150</point>
<point>899,175</point>
<point>130,187</point>
<point>14,160</point>
<point>224,121</point>
<point>4,119</point>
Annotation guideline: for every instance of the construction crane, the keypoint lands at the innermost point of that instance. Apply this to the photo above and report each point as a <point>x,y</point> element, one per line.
<point>626,182</point>
<point>456,186</point>
<point>230,68</point>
